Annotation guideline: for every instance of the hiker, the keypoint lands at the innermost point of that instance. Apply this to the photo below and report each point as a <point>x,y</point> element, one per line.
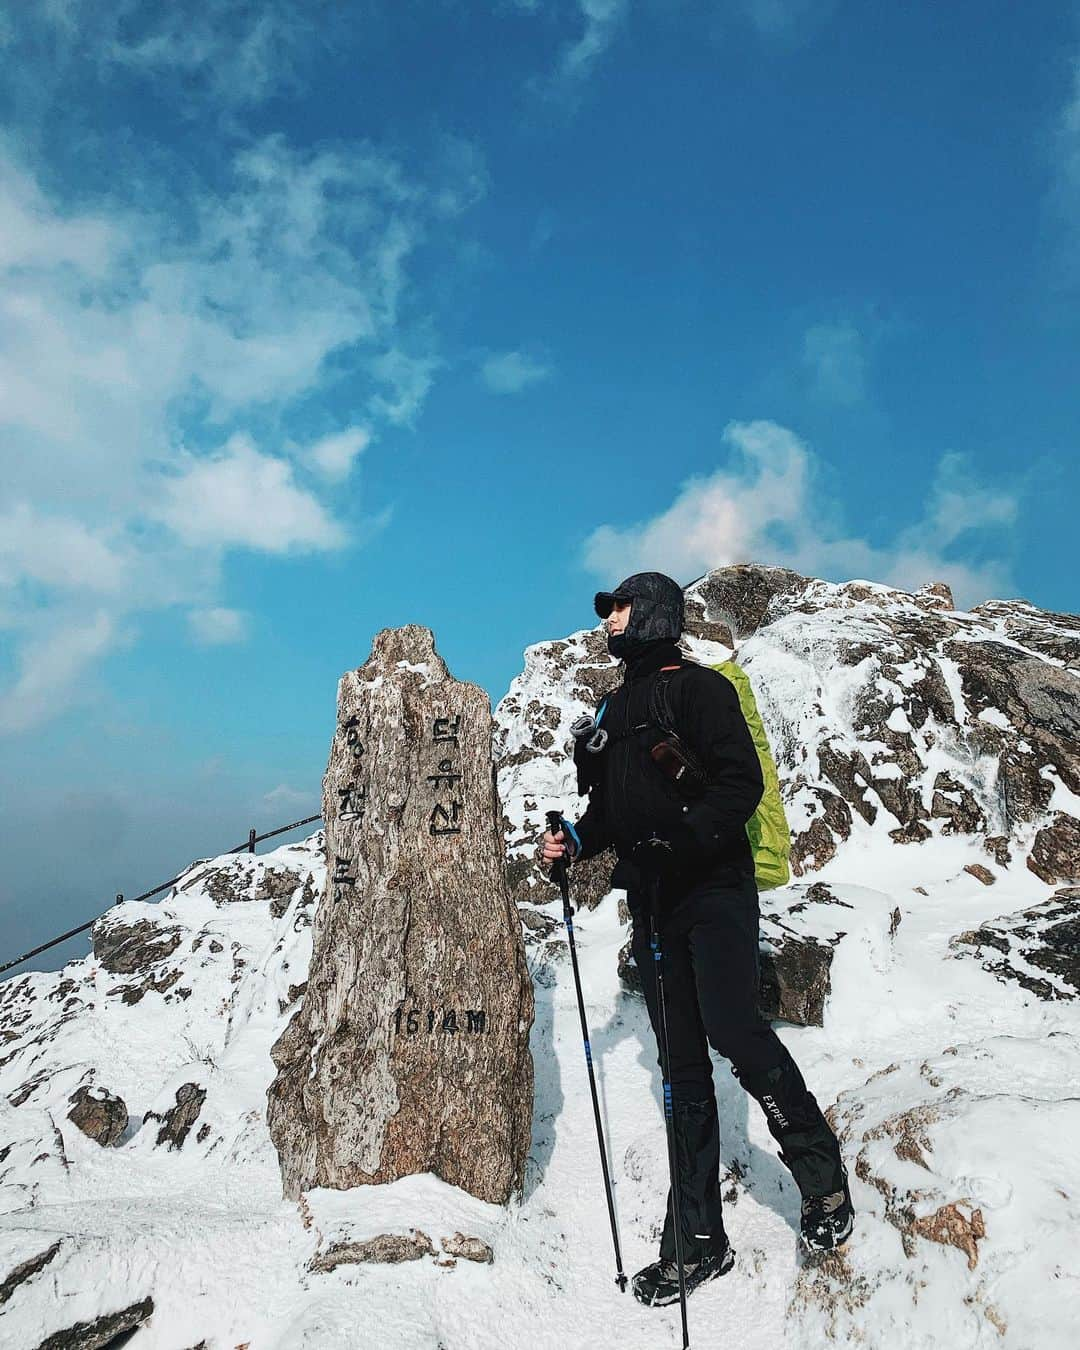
<point>684,840</point>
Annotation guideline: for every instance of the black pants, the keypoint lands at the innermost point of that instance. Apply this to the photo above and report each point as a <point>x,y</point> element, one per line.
<point>709,943</point>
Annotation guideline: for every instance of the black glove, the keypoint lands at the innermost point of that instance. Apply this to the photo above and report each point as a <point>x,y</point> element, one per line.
<point>655,857</point>
<point>679,855</point>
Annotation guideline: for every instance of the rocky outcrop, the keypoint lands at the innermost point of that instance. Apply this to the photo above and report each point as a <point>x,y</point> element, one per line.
<point>134,949</point>
<point>241,878</point>
<point>534,766</point>
<point>952,1227</point>
<point>176,1123</point>
<point>467,1249</point>
<point>388,1249</point>
<point>26,1270</point>
<point>103,1332</point>
<point>282,898</point>
<point>410,1050</point>
<point>948,1155</point>
<point>537,927</point>
<point>743,597</point>
<point>795,981</point>
<point>955,804</point>
<point>1038,948</point>
<point>139,948</point>
<point>1055,851</point>
<point>801,927</point>
<point>101,1116</point>
<point>887,711</point>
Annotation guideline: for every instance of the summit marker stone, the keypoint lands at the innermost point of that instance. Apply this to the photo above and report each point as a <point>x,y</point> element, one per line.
<point>410,1050</point>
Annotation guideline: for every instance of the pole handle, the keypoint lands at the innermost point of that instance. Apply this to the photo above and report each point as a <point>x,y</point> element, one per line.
<point>558,868</point>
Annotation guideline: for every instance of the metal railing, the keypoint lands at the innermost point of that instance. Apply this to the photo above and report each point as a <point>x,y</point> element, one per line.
<point>247,847</point>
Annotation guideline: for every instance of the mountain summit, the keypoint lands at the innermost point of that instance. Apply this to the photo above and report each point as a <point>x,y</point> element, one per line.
<point>926,947</point>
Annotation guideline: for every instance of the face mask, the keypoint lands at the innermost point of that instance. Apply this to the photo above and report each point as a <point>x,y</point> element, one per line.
<point>626,648</point>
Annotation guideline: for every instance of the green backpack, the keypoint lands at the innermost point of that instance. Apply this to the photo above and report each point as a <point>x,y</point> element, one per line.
<point>767,828</point>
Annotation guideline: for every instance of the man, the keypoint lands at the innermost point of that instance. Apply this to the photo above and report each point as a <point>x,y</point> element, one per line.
<point>708,916</point>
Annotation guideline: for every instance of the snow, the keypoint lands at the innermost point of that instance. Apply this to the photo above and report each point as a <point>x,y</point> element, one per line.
<point>204,1230</point>
<point>898,720</point>
<point>995,717</point>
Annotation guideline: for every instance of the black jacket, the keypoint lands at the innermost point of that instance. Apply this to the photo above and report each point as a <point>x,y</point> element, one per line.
<point>631,799</point>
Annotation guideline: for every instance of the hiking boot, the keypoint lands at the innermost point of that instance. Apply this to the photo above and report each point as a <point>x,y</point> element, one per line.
<point>658,1284</point>
<point>827,1220</point>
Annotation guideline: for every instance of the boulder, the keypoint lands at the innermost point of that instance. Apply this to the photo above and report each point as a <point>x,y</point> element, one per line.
<point>468,1249</point>
<point>176,1123</point>
<point>1055,852</point>
<point>387,1249</point>
<point>410,1049</point>
<point>962,1192</point>
<point>795,980</point>
<point>740,597</point>
<point>282,899</point>
<point>132,949</point>
<point>800,928</point>
<point>101,1116</point>
<point>1037,948</point>
<point>103,1332</point>
<point>26,1270</point>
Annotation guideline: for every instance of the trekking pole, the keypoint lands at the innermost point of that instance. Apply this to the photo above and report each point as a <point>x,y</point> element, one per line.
<point>665,1069</point>
<point>558,872</point>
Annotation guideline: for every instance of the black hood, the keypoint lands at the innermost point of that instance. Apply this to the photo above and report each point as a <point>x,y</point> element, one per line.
<point>656,613</point>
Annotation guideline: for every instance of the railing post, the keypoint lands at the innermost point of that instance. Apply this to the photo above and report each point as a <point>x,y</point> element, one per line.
<point>119,897</point>
<point>251,840</point>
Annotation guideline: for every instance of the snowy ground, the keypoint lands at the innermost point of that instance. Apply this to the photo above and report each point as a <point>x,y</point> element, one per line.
<point>990,1072</point>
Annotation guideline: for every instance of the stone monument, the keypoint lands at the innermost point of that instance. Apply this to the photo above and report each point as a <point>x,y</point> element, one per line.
<point>410,1050</point>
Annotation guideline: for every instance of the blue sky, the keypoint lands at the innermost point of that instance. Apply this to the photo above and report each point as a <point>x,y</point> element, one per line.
<point>323,316</point>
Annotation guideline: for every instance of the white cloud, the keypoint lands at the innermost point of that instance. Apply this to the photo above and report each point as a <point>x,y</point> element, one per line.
<point>599,22</point>
<point>218,626</point>
<point>241,498</point>
<point>56,552</point>
<point>511,372</point>
<point>32,235</point>
<point>406,381</point>
<point>835,355</point>
<point>231,51</point>
<point>766,507</point>
<point>459,176</point>
<point>285,798</point>
<point>602,19</point>
<point>303,258</point>
<point>783,18</point>
<point>333,456</point>
<point>151,361</point>
<point>50,666</point>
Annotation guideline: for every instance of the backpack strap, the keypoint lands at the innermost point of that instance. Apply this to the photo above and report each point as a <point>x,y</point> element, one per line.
<point>662,716</point>
<point>660,703</point>
<point>660,697</point>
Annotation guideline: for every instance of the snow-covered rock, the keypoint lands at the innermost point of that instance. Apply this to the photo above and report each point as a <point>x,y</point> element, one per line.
<point>966,1199</point>
<point>1039,948</point>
